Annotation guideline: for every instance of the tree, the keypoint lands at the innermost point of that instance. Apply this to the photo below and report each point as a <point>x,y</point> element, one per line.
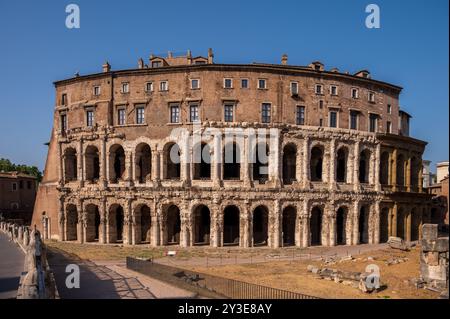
<point>7,166</point>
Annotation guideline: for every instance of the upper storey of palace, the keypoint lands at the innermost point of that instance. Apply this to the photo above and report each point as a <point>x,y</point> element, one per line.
<point>181,90</point>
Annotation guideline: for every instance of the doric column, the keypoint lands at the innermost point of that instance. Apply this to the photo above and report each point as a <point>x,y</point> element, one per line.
<point>274,157</point>
<point>356,167</point>
<point>276,233</point>
<point>331,225</point>
<point>355,240</point>
<point>376,223</point>
<point>394,170</point>
<point>306,162</point>
<point>155,224</point>
<point>408,174</point>
<point>103,222</point>
<point>80,163</point>
<point>185,238</point>
<point>81,230</point>
<point>128,224</point>
<point>408,225</point>
<point>332,160</point>
<point>246,227</point>
<point>394,220</point>
<point>217,160</point>
<point>306,238</point>
<point>103,172</point>
<point>61,220</point>
<point>377,167</point>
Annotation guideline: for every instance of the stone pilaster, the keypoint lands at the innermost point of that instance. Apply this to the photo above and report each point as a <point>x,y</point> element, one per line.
<point>306,163</point>
<point>377,167</point>
<point>332,161</point>
<point>356,185</point>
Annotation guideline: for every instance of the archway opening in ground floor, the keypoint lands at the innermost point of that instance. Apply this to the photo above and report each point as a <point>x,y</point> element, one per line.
<point>231,225</point>
<point>143,221</point>
<point>401,230</point>
<point>173,225</point>
<point>71,222</point>
<point>289,222</point>
<point>384,225</point>
<point>116,221</point>
<point>92,223</point>
<point>363,225</point>
<point>260,226</point>
<point>341,226</point>
<point>315,226</point>
<point>202,225</point>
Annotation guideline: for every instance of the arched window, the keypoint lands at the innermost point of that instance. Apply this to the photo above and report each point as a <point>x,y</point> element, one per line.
<point>289,222</point>
<point>401,163</point>
<point>70,164</point>
<point>341,165</point>
<point>143,163</point>
<point>202,225</point>
<point>116,163</point>
<point>172,225</point>
<point>316,164</point>
<point>260,226</point>
<point>384,168</point>
<point>172,154</point>
<point>92,163</point>
<point>289,163</point>
<point>202,161</point>
<point>315,226</point>
<point>231,162</point>
<point>231,225</point>
<point>341,226</point>
<point>261,163</point>
<point>364,166</point>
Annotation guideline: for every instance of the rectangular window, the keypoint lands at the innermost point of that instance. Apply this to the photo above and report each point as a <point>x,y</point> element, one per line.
<point>20,184</point>
<point>63,123</point>
<point>300,115</point>
<point>90,118</point>
<point>294,88</point>
<point>388,127</point>
<point>371,97</point>
<point>163,86</point>
<point>334,90</point>
<point>373,123</point>
<point>121,116</point>
<point>321,104</point>
<point>228,112</point>
<point>149,87</point>
<point>64,99</point>
<point>355,93</point>
<point>96,90</point>
<point>389,109</point>
<point>319,89</point>
<point>125,87</point>
<point>29,184</point>
<point>175,114</point>
<point>333,119</point>
<point>193,113</point>
<point>353,120</point>
<point>140,115</point>
<point>156,64</point>
<point>262,84</point>
<point>244,83</point>
<point>265,113</point>
<point>195,84</point>
<point>14,187</point>
<point>228,83</point>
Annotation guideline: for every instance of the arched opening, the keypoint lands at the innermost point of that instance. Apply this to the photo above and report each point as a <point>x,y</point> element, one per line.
<point>415,171</point>
<point>116,219</point>
<point>384,168</point>
<point>341,165</point>
<point>70,165</point>
<point>202,225</point>
<point>260,226</point>
<point>384,225</point>
<point>401,170</point>
<point>261,163</point>
<point>231,162</point>
<point>315,226</point>
<point>415,224</point>
<point>143,224</point>
<point>364,166</point>
<point>202,161</point>
<point>92,163</point>
<point>341,226</point>
<point>289,164</point>
<point>363,224</point>
<point>143,163</point>
<point>172,154</point>
<point>401,223</point>
<point>231,225</point>
<point>71,222</point>
<point>316,164</point>
<point>116,163</point>
<point>92,223</point>
<point>173,225</point>
<point>289,222</point>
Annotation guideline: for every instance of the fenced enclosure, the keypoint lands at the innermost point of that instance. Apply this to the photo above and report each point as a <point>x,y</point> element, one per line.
<point>208,285</point>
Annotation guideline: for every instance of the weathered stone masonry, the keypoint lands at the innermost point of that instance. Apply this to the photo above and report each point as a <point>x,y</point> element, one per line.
<point>324,186</point>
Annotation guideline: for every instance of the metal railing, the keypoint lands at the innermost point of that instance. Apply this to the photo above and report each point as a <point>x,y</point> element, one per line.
<point>209,285</point>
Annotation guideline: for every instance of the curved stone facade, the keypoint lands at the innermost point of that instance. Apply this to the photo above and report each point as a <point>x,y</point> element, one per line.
<point>339,167</point>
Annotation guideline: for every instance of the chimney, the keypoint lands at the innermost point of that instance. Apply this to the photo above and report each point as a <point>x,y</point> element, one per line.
<point>140,63</point>
<point>210,56</point>
<point>189,56</point>
<point>106,67</point>
<point>284,59</point>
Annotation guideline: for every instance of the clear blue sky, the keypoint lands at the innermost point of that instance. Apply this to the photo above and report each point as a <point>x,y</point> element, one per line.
<point>411,50</point>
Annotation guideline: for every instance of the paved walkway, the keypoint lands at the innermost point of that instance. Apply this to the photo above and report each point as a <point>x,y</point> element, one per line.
<point>11,267</point>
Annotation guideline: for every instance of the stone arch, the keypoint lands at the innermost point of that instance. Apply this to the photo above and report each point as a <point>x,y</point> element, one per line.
<point>384,168</point>
<point>71,222</point>
<point>341,164</point>
<point>260,164</point>
<point>143,220</point>
<point>92,223</point>
<point>116,218</point>
<point>315,226</point>
<point>364,166</point>
<point>384,225</point>
<point>231,225</point>
<point>231,161</point>
<point>401,223</point>
<point>143,163</point>
<point>289,163</point>
<point>260,226</point>
<point>401,166</point>
<point>202,161</point>
<point>70,164</point>
<point>414,173</point>
<point>92,163</point>
<point>288,225</point>
<point>416,222</point>
<point>172,225</point>
<point>363,224</point>
<point>316,163</point>
<point>116,163</point>
<point>202,225</point>
<point>342,229</point>
<point>172,161</point>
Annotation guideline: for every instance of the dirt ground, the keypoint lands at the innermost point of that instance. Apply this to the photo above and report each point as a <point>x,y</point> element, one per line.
<point>293,276</point>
